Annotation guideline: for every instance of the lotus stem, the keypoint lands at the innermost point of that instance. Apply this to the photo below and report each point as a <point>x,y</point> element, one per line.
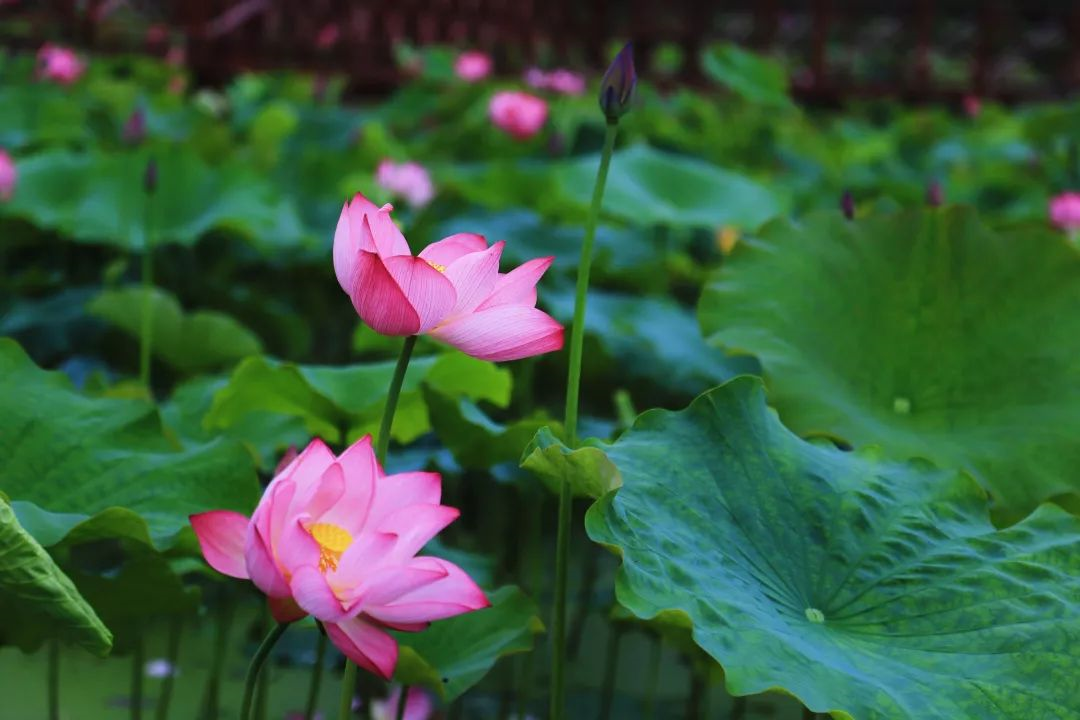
<point>611,668</point>
<point>256,666</point>
<point>402,701</point>
<point>573,387</point>
<point>649,711</point>
<point>147,277</point>
<point>316,676</point>
<point>382,444</point>
<point>172,656</point>
<point>54,679</point>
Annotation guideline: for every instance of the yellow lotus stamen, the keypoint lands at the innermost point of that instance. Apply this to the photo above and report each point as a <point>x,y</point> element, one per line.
<point>437,266</point>
<point>333,541</point>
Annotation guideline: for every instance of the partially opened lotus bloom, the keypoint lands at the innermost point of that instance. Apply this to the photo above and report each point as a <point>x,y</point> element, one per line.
<point>452,291</point>
<point>518,114</point>
<point>337,538</point>
<point>59,64</point>
<point>9,175</point>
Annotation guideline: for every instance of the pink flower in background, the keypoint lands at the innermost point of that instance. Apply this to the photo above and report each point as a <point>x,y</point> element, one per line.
<point>536,78</point>
<point>407,180</point>
<point>452,291</point>
<point>328,36</point>
<point>337,538</point>
<point>566,82</point>
<point>972,105</point>
<point>518,113</point>
<point>1065,211</point>
<point>418,705</point>
<point>176,57</point>
<point>472,66</point>
<point>157,34</point>
<point>8,176</point>
<point>59,64</point>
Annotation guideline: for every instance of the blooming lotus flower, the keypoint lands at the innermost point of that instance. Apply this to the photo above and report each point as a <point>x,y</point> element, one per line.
<point>407,180</point>
<point>59,64</point>
<point>472,66</point>
<point>337,538</point>
<point>328,36</point>
<point>1065,211</point>
<point>8,175</point>
<point>452,291</point>
<point>536,78</point>
<point>418,705</point>
<point>518,113</point>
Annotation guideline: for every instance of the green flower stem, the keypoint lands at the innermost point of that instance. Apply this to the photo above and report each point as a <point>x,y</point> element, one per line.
<point>138,655</point>
<point>212,689</point>
<point>172,654</point>
<point>145,338</point>
<point>402,701</point>
<point>573,388</point>
<point>649,711</point>
<point>256,666</point>
<point>316,676</point>
<point>54,679</point>
<point>382,443</point>
<point>611,669</point>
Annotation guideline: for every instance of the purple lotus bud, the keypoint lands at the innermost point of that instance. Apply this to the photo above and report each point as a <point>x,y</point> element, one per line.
<point>617,87</point>
<point>935,196</point>
<point>150,177</point>
<point>135,127</point>
<point>847,205</point>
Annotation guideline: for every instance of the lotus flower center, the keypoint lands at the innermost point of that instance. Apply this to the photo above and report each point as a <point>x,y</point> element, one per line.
<point>437,266</point>
<point>333,540</point>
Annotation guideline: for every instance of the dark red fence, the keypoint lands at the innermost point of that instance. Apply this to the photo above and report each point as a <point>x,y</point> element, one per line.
<point>912,49</point>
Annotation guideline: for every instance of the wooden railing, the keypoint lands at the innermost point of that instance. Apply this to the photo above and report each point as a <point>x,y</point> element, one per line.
<point>910,49</point>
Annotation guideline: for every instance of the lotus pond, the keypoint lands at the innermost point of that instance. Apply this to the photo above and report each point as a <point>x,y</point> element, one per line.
<point>795,436</point>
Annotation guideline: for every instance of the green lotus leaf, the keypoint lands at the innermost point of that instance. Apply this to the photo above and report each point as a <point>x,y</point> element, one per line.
<point>923,332</point>
<point>99,198</point>
<point>866,588</point>
<point>454,654</point>
<point>654,187</point>
<point>104,460</point>
<point>189,342</point>
<point>329,398</point>
<point>477,441</point>
<point>748,75</point>
<point>587,469</point>
<point>37,600</point>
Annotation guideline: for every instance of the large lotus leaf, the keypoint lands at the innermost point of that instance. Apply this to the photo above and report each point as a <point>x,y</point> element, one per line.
<point>653,187</point>
<point>752,77</point>
<point>189,342</point>
<point>453,655</point>
<point>650,337</point>
<point>37,600</point>
<point>78,457</point>
<point>866,588</point>
<point>98,197</point>
<point>332,398</point>
<point>923,332</point>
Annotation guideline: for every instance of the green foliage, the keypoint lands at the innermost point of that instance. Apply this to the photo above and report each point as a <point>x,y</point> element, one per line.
<point>188,342</point>
<point>924,332</point>
<point>866,588</point>
<point>106,461</point>
<point>587,469</point>
<point>453,655</point>
<point>37,600</point>
<point>653,187</point>
<point>752,77</point>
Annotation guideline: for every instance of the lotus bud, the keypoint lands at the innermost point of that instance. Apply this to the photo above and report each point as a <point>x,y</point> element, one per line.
<point>847,205</point>
<point>618,84</point>
<point>935,196</point>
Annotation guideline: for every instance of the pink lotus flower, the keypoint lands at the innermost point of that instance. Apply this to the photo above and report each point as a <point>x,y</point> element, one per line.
<point>972,105</point>
<point>59,64</point>
<point>336,538</point>
<point>418,705</point>
<point>453,291</point>
<point>407,180</point>
<point>536,78</point>
<point>518,113</point>
<point>328,36</point>
<point>472,66</point>
<point>566,82</point>
<point>1065,211</point>
<point>9,175</point>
